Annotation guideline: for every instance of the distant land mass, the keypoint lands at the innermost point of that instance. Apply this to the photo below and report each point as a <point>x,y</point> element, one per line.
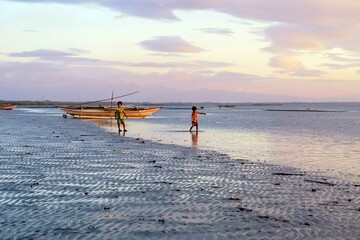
<point>164,95</point>
<point>219,96</point>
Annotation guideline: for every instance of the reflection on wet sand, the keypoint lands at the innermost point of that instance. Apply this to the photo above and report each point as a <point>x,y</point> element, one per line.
<point>102,122</point>
<point>194,139</point>
<point>106,123</point>
<point>302,150</point>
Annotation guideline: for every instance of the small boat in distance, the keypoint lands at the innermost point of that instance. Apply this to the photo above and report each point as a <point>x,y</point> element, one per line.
<point>226,106</point>
<point>7,106</point>
<point>107,112</point>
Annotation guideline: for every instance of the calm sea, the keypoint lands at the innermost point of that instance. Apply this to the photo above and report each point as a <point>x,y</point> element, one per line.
<point>317,141</point>
<point>328,142</point>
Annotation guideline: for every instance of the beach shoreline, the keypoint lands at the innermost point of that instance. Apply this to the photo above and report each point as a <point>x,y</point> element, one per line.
<point>64,178</point>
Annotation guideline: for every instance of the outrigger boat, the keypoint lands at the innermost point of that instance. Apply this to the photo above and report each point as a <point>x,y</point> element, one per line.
<point>107,112</point>
<point>7,106</point>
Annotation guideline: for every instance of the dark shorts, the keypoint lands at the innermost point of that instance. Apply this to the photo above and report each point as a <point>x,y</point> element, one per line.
<point>194,124</point>
<point>120,121</point>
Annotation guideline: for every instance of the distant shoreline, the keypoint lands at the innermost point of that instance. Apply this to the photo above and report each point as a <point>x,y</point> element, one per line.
<point>301,110</point>
<point>221,104</point>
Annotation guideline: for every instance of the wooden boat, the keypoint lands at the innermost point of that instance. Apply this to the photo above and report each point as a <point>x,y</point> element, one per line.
<point>226,106</point>
<point>107,112</point>
<point>7,106</point>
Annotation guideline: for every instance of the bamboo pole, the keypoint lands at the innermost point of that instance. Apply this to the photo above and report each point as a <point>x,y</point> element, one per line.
<point>107,99</point>
<point>111,104</point>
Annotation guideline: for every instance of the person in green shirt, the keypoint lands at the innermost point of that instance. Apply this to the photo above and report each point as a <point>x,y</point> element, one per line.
<point>120,115</point>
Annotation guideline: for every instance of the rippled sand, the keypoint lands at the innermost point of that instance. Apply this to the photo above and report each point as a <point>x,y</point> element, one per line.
<point>68,179</point>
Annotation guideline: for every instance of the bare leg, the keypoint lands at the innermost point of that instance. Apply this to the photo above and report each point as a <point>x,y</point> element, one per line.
<point>192,125</point>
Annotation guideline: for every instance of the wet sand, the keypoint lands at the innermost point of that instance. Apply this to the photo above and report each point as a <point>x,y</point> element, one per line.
<point>69,179</point>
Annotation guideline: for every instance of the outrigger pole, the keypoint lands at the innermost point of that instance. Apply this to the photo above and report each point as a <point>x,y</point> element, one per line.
<point>111,102</point>
<point>107,99</point>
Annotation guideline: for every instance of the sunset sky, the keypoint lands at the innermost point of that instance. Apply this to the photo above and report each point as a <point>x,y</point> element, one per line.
<point>180,50</point>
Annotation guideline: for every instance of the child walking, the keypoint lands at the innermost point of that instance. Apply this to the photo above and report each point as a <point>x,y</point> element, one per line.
<point>194,118</point>
<point>119,115</point>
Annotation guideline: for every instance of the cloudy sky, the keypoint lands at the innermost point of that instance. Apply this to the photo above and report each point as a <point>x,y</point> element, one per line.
<point>180,50</point>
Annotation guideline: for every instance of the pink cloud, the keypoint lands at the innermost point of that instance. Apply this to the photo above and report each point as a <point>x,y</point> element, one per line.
<point>286,62</point>
<point>219,31</point>
<point>343,61</point>
<point>188,64</point>
<point>289,37</point>
<point>304,72</point>
<point>305,25</point>
<point>312,37</point>
<point>63,82</point>
<point>48,55</point>
<point>297,26</point>
<point>341,66</point>
<point>70,56</point>
<point>170,44</point>
<point>44,53</point>
<point>348,58</point>
<point>318,12</point>
<point>292,66</point>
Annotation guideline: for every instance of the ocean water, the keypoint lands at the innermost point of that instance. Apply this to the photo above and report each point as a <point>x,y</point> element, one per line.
<point>326,142</point>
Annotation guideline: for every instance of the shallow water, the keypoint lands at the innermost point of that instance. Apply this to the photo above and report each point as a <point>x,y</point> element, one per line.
<point>317,141</point>
<point>328,142</point>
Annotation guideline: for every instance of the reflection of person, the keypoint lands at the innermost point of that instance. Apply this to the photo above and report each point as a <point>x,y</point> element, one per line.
<point>194,118</point>
<point>120,115</point>
<point>194,139</point>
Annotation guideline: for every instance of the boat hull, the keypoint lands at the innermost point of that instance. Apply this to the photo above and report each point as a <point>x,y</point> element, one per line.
<point>96,113</point>
<point>7,106</point>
